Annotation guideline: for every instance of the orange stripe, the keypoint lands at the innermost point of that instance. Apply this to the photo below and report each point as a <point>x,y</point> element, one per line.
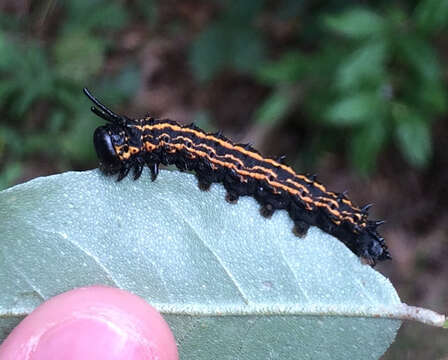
<point>308,201</point>
<point>242,150</point>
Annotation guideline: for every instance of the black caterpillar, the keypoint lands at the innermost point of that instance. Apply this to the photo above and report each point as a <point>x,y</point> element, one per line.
<point>127,144</point>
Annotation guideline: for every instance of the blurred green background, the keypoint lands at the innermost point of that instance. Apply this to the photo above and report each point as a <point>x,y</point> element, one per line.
<point>353,90</point>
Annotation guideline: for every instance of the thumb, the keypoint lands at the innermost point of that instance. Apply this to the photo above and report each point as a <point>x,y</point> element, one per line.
<point>92,323</point>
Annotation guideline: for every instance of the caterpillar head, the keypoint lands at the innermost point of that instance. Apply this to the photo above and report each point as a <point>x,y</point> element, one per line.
<point>107,142</point>
<point>112,141</point>
<point>372,245</point>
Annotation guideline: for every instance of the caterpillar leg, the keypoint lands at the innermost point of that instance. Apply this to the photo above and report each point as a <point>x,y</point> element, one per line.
<point>267,210</point>
<point>123,172</point>
<point>231,197</point>
<point>138,169</point>
<point>204,185</point>
<point>300,228</point>
<point>154,168</point>
<point>182,165</point>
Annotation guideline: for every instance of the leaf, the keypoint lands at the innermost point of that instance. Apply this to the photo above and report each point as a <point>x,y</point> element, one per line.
<point>226,44</point>
<point>432,96</point>
<point>78,56</point>
<point>421,56</point>
<point>274,108</point>
<point>353,110</point>
<point>290,68</point>
<point>356,23</point>
<point>231,284</point>
<point>243,11</point>
<point>366,64</point>
<point>9,52</point>
<point>431,15</point>
<point>413,134</point>
<point>10,174</point>
<point>208,53</point>
<point>90,15</point>
<point>33,82</point>
<point>365,145</point>
<point>247,50</point>
<point>123,86</point>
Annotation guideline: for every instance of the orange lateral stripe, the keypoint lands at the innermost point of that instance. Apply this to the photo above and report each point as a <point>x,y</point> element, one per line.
<point>324,201</point>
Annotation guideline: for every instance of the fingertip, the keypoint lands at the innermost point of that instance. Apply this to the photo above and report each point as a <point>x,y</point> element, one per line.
<point>92,323</point>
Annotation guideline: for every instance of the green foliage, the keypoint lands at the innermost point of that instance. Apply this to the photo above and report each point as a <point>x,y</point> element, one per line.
<point>273,108</point>
<point>292,67</point>
<point>367,77</point>
<point>94,15</point>
<point>365,63</point>
<point>357,23</point>
<point>49,78</point>
<point>78,56</point>
<point>432,15</point>
<point>382,69</point>
<point>366,143</point>
<point>229,43</point>
<point>387,76</point>
<point>354,110</point>
<point>413,134</point>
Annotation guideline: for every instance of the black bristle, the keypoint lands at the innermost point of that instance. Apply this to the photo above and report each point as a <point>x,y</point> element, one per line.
<point>365,209</point>
<point>281,159</point>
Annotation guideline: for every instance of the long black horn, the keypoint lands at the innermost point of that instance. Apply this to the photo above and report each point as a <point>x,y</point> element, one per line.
<point>103,112</point>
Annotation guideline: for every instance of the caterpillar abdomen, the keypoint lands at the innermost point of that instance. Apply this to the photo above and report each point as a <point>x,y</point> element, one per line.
<point>129,144</point>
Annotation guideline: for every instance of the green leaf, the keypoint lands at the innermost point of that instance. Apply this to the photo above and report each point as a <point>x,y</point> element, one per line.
<point>431,15</point>
<point>90,15</point>
<point>78,56</point>
<point>10,173</point>
<point>421,56</point>
<point>353,110</point>
<point>121,87</point>
<point>433,96</point>
<point>289,69</point>
<point>356,23</point>
<point>231,42</point>
<point>365,65</point>
<point>208,53</point>
<point>227,280</point>
<point>413,134</point>
<point>247,50</point>
<point>365,145</point>
<point>74,143</point>
<point>243,11</point>
<point>9,52</point>
<point>223,45</point>
<point>11,141</point>
<point>274,108</point>
<point>33,82</point>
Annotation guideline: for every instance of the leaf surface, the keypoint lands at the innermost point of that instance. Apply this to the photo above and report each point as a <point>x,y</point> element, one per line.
<point>232,284</point>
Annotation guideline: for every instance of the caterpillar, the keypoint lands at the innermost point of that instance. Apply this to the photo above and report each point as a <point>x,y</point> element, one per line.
<point>127,144</point>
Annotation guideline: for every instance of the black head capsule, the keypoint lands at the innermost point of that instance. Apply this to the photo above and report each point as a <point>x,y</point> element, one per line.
<point>371,247</point>
<point>104,147</point>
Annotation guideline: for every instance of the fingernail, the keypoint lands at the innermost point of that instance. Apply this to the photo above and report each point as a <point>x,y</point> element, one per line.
<point>88,339</point>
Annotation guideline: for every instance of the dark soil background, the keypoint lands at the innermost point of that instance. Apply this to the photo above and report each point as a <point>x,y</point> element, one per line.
<point>176,59</point>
